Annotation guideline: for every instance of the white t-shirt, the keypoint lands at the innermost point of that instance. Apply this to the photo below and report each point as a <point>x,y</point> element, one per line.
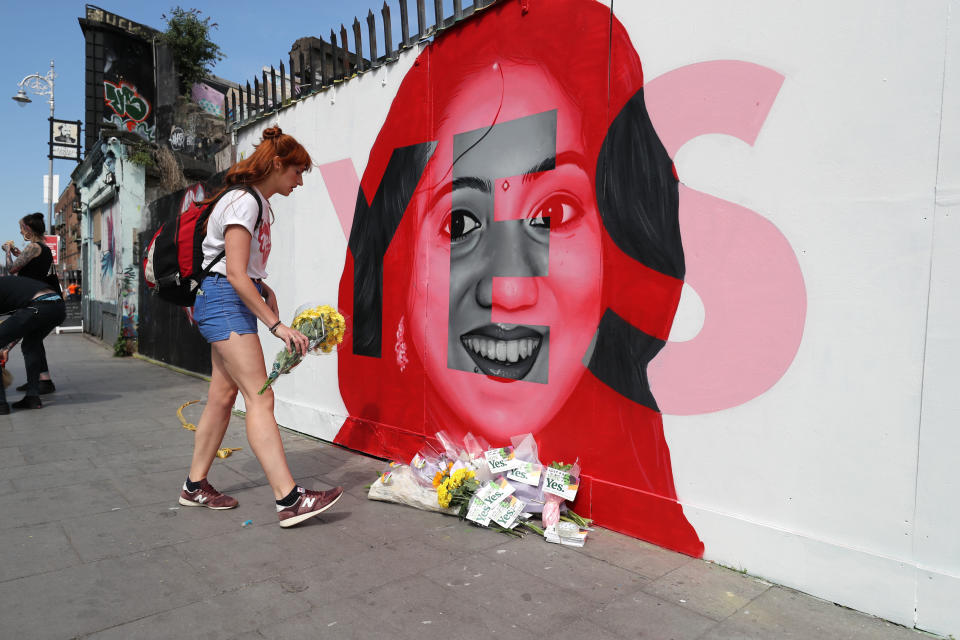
<point>239,207</point>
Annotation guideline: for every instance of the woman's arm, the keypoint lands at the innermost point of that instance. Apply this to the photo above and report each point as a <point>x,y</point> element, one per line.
<point>29,252</point>
<point>271,298</point>
<point>236,240</point>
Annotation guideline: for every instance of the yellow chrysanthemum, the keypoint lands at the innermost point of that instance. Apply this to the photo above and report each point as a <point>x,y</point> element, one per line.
<point>333,322</point>
<point>443,495</point>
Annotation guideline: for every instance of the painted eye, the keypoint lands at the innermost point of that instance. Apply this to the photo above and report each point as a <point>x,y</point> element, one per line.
<point>555,212</point>
<point>462,223</point>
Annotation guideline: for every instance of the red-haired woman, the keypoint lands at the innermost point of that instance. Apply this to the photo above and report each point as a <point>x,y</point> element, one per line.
<point>234,298</point>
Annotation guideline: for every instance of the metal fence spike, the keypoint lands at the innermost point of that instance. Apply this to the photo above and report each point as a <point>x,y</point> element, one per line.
<point>404,25</point>
<point>345,51</point>
<point>358,46</point>
<point>387,32</point>
<point>372,29</point>
<point>335,55</point>
<point>421,19</point>
<point>273,88</point>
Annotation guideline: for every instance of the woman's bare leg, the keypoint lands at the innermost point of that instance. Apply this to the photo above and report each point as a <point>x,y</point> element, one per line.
<point>242,359</point>
<point>214,419</point>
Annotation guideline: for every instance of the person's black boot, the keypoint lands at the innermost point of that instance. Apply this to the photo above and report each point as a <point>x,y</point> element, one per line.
<point>46,386</point>
<point>4,409</point>
<point>28,402</point>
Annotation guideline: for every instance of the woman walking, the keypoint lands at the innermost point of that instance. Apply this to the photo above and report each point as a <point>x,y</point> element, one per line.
<point>34,261</point>
<point>234,298</point>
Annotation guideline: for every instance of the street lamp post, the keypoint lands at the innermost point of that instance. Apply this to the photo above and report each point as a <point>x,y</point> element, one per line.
<point>41,86</point>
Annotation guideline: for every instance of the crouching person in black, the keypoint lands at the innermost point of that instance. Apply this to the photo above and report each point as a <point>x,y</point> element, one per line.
<point>32,310</point>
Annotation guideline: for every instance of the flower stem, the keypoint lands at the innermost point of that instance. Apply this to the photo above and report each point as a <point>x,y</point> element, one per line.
<point>532,527</point>
<point>580,521</point>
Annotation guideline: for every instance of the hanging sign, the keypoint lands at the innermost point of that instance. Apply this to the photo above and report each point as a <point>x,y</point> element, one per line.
<point>65,139</point>
<point>53,242</point>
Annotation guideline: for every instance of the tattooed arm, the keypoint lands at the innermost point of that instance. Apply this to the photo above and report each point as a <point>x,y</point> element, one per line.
<point>28,253</point>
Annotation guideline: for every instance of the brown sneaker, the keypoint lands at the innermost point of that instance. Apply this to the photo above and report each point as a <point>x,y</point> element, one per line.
<point>206,496</point>
<point>308,504</point>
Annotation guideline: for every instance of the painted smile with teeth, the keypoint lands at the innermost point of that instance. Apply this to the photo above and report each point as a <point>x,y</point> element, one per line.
<point>507,352</point>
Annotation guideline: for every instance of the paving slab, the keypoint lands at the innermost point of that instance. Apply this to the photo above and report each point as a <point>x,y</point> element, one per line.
<point>647,560</point>
<point>221,617</point>
<point>93,543</point>
<point>34,549</point>
<point>86,598</point>
<point>509,594</point>
<point>709,589</point>
<point>639,615</point>
<point>563,567</point>
<point>783,613</point>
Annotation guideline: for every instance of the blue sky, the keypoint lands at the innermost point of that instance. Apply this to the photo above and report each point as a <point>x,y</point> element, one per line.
<point>250,34</point>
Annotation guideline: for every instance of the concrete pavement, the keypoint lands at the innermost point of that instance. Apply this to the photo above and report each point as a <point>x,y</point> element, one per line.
<point>94,545</point>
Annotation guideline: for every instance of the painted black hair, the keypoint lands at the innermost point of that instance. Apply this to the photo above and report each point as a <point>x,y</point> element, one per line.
<point>637,192</point>
<point>638,201</point>
<point>370,236</point>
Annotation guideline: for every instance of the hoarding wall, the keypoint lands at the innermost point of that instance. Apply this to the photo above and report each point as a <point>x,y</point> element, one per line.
<point>707,249</point>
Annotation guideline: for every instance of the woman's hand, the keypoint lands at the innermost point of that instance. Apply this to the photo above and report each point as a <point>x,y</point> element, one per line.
<point>294,340</point>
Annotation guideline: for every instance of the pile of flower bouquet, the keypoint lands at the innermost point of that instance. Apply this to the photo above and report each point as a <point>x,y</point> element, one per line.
<point>498,488</point>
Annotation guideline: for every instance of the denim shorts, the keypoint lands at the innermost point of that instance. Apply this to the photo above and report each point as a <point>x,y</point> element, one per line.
<point>220,311</point>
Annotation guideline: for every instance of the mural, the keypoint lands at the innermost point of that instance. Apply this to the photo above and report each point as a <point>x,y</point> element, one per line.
<point>128,303</point>
<point>107,255</point>
<point>515,258</point>
<point>512,265</point>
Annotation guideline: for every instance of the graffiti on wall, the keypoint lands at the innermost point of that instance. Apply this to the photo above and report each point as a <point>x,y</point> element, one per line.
<point>106,256</point>
<point>207,98</point>
<point>128,84</point>
<point>128,303</point>
<point>518,245</point>
<point>130,109</point>
<point>190,143</point>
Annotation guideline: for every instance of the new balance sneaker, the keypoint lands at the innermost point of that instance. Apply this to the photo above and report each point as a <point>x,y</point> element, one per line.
<point>206,496</point>
<point>309,503</point>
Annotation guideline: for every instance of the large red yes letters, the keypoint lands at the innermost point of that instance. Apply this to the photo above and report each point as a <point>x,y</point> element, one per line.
<point>739,263</point>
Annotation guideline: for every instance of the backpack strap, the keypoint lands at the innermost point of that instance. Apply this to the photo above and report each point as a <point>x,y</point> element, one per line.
<point>249,189</point>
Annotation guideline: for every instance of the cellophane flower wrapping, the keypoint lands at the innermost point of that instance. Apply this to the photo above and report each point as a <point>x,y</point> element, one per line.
<point>324,327</point>
<point>525,448</point>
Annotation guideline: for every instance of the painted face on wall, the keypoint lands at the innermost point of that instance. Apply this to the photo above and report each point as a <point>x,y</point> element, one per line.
<point>507,268</point>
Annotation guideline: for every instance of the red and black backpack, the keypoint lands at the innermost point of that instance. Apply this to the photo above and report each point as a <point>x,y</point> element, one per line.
<point>173,262</point>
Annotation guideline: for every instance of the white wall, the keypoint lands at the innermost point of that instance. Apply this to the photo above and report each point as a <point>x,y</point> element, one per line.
<point>837,480</point>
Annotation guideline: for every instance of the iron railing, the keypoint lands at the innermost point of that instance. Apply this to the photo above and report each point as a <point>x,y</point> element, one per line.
<point>306,74</point>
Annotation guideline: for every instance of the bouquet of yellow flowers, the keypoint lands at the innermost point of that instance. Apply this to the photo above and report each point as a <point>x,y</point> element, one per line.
<point>455,488</point>
<point>324,327</point>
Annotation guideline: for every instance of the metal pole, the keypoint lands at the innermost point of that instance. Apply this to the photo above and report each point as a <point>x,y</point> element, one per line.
<point>50,181</point>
